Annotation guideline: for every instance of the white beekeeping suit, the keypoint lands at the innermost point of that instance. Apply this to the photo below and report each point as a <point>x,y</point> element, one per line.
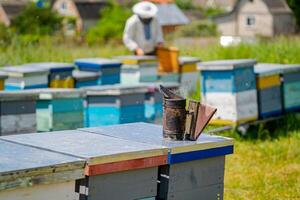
<point>143,32</point>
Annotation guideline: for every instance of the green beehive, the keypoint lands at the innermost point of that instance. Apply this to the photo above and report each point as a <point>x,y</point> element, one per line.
<point>60,109</point>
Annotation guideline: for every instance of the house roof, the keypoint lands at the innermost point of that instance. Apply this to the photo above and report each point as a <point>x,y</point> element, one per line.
<point>274,6</point>
<point>90,9</point>
<point>13,8</point>
<point>170,14</point>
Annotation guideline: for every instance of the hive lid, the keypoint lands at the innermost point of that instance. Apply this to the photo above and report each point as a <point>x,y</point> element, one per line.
<point>18,95</point>
<point>21,71</point>
<point>267,69</point>
<point>3,75</point>
<point>52,66</point>
<point>84,75</point>
<point>100,62</point>
<point>57,93</point>
<point>226,64</point>
<point>95,148</point>
<point>153,134</point>
<point>23,166</point>
<point>291,68</point>
<point>116,89</point>
<point>188,60</point>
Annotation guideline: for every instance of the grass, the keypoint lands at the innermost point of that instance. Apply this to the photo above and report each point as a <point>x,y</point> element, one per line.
<point>265,166</point>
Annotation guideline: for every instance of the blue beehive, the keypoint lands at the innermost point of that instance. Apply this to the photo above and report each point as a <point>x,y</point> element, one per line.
<point>109,69</point>
<point>115,104</point>
<point>268,90</point>
<point>230,86</point>
<point>291,87</point>
<point>85,79</point>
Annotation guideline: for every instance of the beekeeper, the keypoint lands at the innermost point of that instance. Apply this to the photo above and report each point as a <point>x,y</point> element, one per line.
<point>143,32</point>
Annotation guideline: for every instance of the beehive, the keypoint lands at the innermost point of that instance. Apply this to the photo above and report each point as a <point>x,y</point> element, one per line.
<point>108,69</point>
<point>269,93</point>
<point>84,78</point>
<point>291,87</point>
<point>138,69</point>
<point>115,104</point>
<point>24,77</point>
<point>195,169</point>
<point>230,86</point>
<point>29,173</point>
<point>60,75</point>
<point>115,168</point>
<point>17,112</point>
<point>60,109</point>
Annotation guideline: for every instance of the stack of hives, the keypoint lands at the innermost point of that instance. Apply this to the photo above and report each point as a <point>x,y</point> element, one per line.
<point>138,69</point>
<point>85,78</point>
<point>230,86</point>
<point>108,69</point>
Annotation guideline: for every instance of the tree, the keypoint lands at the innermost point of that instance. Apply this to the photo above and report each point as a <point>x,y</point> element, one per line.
<point>295,6</point>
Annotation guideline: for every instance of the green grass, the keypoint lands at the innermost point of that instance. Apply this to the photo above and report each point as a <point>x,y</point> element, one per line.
<point>265,165</point>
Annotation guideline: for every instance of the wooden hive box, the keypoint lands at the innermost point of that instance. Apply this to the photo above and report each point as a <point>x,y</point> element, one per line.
<point>60,109</point>
<point>24,77</point>
<point>28,173</point>
<point>60,73</point>
<point>85,78</point>
<point>268,82</point>
<point>291,87</point>
<point>137,69</point>
<point>230,86</point>
<point>109,69</point>
<point>18,112</point>
<point>116,168</point>
<point>115,104</point>
<point>195,169</point>
<point>3,76</point>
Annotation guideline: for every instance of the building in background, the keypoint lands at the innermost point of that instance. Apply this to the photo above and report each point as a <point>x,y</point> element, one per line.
<point>85,12</point>
<point>9,9</point>
<point>250,18</point>
<point>222,4</point>
<point>169,15</point>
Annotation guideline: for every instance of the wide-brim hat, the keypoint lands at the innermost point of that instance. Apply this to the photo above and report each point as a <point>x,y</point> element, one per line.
<point>145,9</point>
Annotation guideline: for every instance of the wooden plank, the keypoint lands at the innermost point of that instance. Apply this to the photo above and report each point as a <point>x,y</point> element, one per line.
<point>92,170</point>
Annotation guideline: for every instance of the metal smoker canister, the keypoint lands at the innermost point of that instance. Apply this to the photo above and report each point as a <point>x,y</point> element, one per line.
<point>174,116</point>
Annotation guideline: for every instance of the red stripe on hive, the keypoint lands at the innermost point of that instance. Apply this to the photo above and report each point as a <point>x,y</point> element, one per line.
<point>92,170</point>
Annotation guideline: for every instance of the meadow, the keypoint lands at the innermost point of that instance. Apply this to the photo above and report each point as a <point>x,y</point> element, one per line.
<point>265,165</point>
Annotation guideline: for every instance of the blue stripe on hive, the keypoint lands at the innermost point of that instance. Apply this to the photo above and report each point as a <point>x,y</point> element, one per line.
<point>153,111</point>
<point>65,69</point>
<point>67,105</point>
<point>270,114</point>
<point>109,79</point>
<point>197,155</point>
<point>80,84</point>
<point>238,80</point>
<point>12,87</point>
<point>291,93</point>
<point>95,67</point>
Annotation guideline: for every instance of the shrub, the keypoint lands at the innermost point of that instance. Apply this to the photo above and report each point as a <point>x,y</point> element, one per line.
<point>37,21</point>
<point>5,35</point>
<point>185,4</point>
<point>110,26</point>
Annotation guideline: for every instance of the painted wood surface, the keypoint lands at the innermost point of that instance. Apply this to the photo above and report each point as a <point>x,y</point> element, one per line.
<point>233,107</point>
<point>152,134</point>
<point>95,148</point>
<point>228,81</point>
<point>17,124</point>
<point>270,102</point>
<point>63,191</point>
<point>194,179</point>
<point>291,96</point>
<point>25,167</point>
<point>188,83</point>
<point>268,81</point>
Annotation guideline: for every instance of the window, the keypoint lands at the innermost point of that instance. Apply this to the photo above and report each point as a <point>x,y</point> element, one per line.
<point>250,21</point>
<point>63,6</point>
